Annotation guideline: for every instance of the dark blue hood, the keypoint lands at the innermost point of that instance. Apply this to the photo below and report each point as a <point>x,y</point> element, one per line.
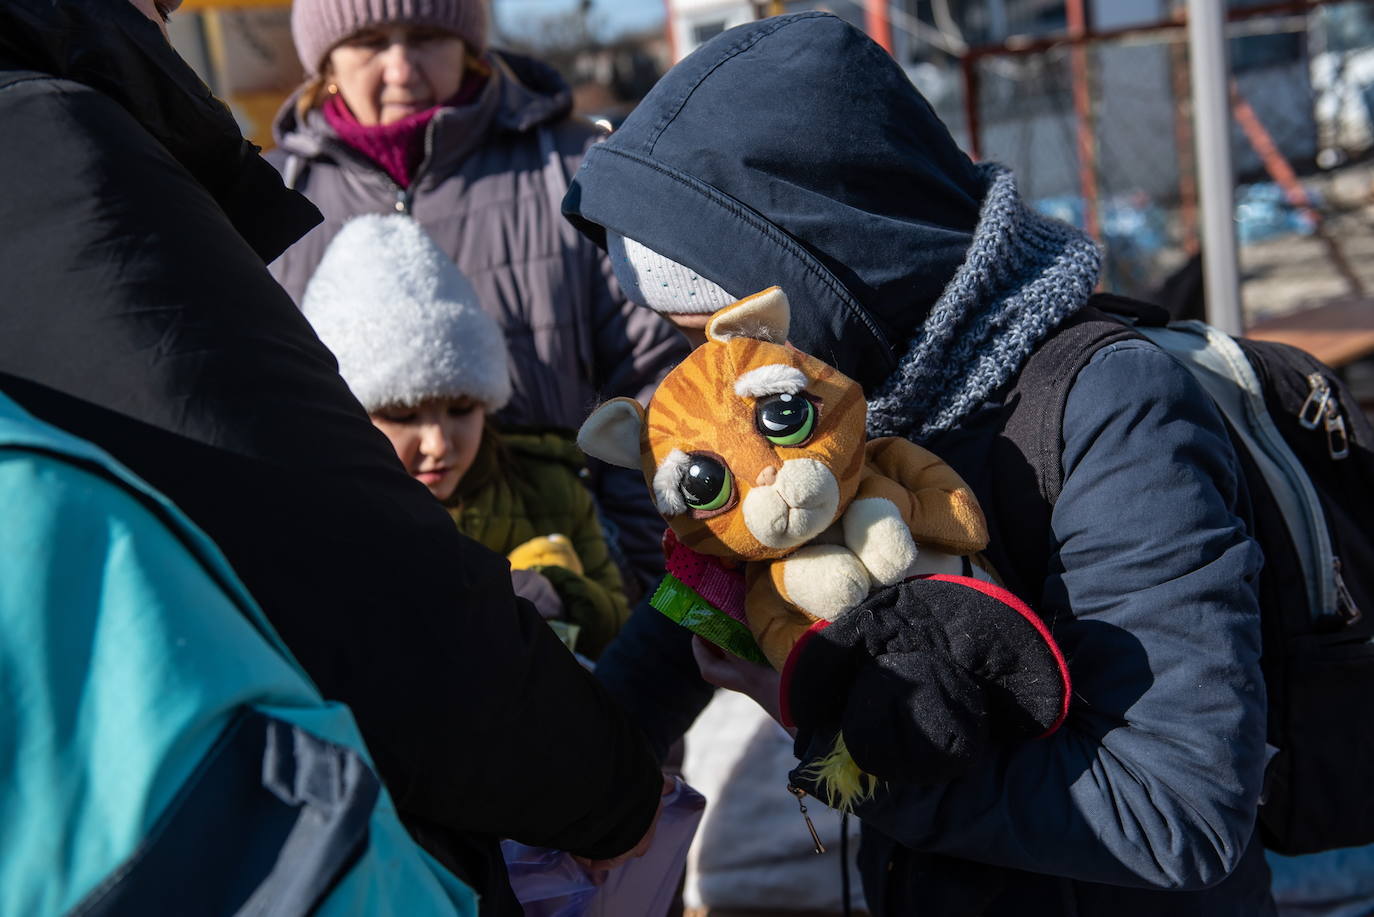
<point>870,204</point>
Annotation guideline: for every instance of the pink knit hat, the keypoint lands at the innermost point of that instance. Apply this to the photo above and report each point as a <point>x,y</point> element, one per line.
<point>318,25</point>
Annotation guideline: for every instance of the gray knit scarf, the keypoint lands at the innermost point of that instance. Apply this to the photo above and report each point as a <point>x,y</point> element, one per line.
<point>1023,275</point>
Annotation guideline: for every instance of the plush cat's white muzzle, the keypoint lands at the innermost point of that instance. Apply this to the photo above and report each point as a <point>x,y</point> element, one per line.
<point>800,504</point>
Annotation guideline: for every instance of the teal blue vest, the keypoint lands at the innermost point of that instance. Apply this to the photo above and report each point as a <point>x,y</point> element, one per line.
<point>159,746</point>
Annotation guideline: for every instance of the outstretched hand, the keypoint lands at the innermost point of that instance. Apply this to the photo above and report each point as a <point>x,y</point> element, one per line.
<point>726,670</point>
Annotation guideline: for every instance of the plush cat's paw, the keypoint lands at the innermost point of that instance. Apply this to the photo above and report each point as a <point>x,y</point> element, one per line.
<point>875,531</point>
<point>824,580</point>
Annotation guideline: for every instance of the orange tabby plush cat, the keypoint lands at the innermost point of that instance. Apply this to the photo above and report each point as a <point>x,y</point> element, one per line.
<point>756,451</point>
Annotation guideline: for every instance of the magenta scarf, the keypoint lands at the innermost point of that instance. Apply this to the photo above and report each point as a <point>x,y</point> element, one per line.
<point>399,147</point>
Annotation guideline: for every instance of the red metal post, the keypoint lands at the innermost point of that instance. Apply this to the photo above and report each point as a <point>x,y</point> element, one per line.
<point>968,64</point>
<point>1262,142</point>
<point>1283,175</point>
<point>1086,146</point>
<point>877,23</point>
<point>672,32</point>
<point>1183,141</point>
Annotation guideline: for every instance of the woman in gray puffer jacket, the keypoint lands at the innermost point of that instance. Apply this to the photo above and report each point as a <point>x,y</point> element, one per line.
<point>407,110</point>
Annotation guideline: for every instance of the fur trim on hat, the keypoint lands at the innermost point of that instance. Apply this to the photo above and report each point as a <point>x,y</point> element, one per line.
<point>403,321</point>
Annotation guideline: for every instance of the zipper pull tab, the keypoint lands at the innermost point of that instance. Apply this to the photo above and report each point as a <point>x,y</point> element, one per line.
<point>801,794</point>
<point>1314,408</point>
<point>1345,602</point>
<point>1337,440</point>
<point>403,206</point>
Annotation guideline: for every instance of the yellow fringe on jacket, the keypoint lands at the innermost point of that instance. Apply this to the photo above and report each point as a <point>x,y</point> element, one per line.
<point>840,781</point>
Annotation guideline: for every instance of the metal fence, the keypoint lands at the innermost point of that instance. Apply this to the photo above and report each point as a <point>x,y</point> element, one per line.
<point>1099,129</point>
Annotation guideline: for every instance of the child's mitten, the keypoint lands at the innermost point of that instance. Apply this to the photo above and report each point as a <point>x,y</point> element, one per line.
<point>546,551</point>
<point>922,675</point>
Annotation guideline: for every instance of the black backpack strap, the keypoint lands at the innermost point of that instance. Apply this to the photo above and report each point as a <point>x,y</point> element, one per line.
<point>1031,446</point>
<point>1138,311</point>
<point>1041,391</point>
<point>1012,455</point>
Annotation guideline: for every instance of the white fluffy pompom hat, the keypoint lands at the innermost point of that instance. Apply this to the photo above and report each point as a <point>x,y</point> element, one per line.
<point>402,320</point>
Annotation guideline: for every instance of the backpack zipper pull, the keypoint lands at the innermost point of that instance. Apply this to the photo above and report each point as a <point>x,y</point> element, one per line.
<point>1337,440</point>
<point>801,794</point>
<point>1314,408</point>
<point>1345,602</point>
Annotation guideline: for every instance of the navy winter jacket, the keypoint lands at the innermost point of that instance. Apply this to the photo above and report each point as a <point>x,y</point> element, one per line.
<point>1151,786</point>
<point>758,161</point>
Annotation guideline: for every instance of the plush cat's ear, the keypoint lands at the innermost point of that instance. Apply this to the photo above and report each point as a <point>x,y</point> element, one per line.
<point>612,432</point>
<point>764,316</point>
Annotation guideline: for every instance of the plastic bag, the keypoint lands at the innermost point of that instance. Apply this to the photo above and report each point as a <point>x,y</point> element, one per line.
<point>550,883</point>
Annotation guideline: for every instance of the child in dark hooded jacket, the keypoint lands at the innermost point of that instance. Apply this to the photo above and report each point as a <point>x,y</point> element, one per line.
<point>794,151</point>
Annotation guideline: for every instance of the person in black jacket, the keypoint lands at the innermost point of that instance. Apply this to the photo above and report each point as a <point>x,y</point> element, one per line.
<point>794,151</point>
<point>138,313</point>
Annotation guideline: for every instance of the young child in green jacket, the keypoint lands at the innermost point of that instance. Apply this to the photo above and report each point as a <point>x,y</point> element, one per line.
<point>430,366</point>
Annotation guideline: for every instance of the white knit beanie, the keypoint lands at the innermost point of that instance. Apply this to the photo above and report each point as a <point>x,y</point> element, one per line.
<point>402,320</point>
<point>650,279</point>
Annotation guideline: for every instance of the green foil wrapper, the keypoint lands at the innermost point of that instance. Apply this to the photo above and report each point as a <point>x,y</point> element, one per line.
<point>684,605</point>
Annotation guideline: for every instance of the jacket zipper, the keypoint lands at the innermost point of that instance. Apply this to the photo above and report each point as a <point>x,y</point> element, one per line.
<point>404,196</point>
<point>801,795</point>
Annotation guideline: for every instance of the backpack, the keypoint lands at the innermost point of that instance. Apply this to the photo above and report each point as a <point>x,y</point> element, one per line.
<point>1307,456</point>
<point>160,749</point>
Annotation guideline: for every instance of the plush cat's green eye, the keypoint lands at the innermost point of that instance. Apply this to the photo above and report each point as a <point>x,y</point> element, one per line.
<point>706,483</point>
<point>786,420</point>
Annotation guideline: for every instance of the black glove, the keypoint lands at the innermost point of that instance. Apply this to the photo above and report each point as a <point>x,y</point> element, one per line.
<point>921,676</point>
